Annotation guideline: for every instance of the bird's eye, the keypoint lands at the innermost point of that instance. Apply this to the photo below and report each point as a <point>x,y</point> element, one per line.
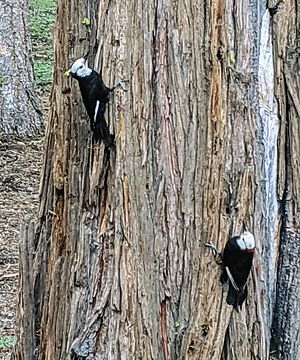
<point>81,67</point>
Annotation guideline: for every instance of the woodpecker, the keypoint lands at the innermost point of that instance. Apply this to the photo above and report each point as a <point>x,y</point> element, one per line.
<point>237,260</point>
<point>95,95</point>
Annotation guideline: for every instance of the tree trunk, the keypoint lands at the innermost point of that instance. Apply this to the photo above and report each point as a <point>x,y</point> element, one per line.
<point>285,342</point>
<point>19,112</point>
<point>120,270</point>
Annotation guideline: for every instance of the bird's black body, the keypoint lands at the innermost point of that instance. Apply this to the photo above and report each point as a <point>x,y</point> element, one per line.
<point>239,263</point>
<point>93,89</point>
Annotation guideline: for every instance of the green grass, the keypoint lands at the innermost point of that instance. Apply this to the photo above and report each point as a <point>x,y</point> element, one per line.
<point>41,21</point>
<point>6,342</point>
<point>43,73</point>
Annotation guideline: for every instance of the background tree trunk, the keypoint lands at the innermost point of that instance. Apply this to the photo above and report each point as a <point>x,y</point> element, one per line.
<point>19,112</point>
<point>119,269</point>
<point>286,321</point>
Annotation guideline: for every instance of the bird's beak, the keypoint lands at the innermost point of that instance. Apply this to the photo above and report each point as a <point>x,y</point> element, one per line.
<point>245,227</point>
<point>68,73</point>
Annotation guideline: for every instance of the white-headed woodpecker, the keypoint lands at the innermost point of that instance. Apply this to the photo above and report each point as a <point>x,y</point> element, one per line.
<point>237,260</point>
<point>95,95</point>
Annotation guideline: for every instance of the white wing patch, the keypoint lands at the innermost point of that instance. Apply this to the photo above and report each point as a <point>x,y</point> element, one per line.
<point>96,110</point>
<point>231,279</point>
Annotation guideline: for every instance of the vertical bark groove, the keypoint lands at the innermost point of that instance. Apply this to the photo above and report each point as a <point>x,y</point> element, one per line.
<point>126,274</point>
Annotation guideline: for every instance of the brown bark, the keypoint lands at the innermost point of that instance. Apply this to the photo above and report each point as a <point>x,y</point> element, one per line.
<point>286,321</point>
<point>124,273</point>
<point>19,112</point>
<point>24,322</point>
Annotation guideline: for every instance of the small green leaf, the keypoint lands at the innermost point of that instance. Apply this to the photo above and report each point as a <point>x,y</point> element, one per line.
<point>231,57</point>
<point>67,73</point>
<point>86,22</point>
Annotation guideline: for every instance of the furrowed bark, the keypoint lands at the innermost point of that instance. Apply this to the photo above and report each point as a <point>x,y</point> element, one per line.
<point>25,341</point>
<point>286,321</point>
<point>121,232</point>
<point>19,111</point>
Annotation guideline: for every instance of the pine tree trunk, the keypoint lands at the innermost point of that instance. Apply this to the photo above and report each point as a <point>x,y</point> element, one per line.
<point>119,268</point>
<point>19,112</point>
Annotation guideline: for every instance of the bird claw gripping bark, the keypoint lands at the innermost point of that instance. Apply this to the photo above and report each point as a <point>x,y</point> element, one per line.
<point>216,253</point>
<point>120,84</point>
<point>213,248</point>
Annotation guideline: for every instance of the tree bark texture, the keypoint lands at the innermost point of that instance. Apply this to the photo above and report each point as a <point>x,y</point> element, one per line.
<point>286,322</point>
<point>24,321</point>
<point>120,270</point>
<point>19,112</point>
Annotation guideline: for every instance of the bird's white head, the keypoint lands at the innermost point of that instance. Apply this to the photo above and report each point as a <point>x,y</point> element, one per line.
<point>80,69</point>
<point>246,240</point>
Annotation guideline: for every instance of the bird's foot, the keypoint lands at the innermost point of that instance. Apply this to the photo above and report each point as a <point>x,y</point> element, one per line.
<point>120,84</point>
<point>216,253</point>
<point>213,248</point>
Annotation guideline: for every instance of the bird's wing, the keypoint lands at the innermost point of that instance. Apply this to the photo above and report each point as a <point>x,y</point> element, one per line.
<point>96,110</point>
<point>231,278</point>
<point>231,248</point>
<point>238,262</point>
<point>101,90</point>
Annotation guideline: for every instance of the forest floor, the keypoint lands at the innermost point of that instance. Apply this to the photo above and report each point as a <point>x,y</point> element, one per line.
<point>20,165</point>
<point>20,168</point>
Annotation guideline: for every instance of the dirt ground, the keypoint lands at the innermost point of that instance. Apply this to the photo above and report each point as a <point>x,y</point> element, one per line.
<point>20,165</point>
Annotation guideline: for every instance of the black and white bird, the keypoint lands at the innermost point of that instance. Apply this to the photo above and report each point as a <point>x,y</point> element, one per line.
<point>95,95</point>
<point>237,260</point>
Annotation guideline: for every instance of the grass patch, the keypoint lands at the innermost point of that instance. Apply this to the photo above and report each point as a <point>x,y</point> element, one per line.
<point>43,73</point>
<point>41,21</point>
<point>6,342</point>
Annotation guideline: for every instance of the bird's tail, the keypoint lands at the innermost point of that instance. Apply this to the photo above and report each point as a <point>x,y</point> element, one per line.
<point>101,132</point>
<point>236,297</point>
